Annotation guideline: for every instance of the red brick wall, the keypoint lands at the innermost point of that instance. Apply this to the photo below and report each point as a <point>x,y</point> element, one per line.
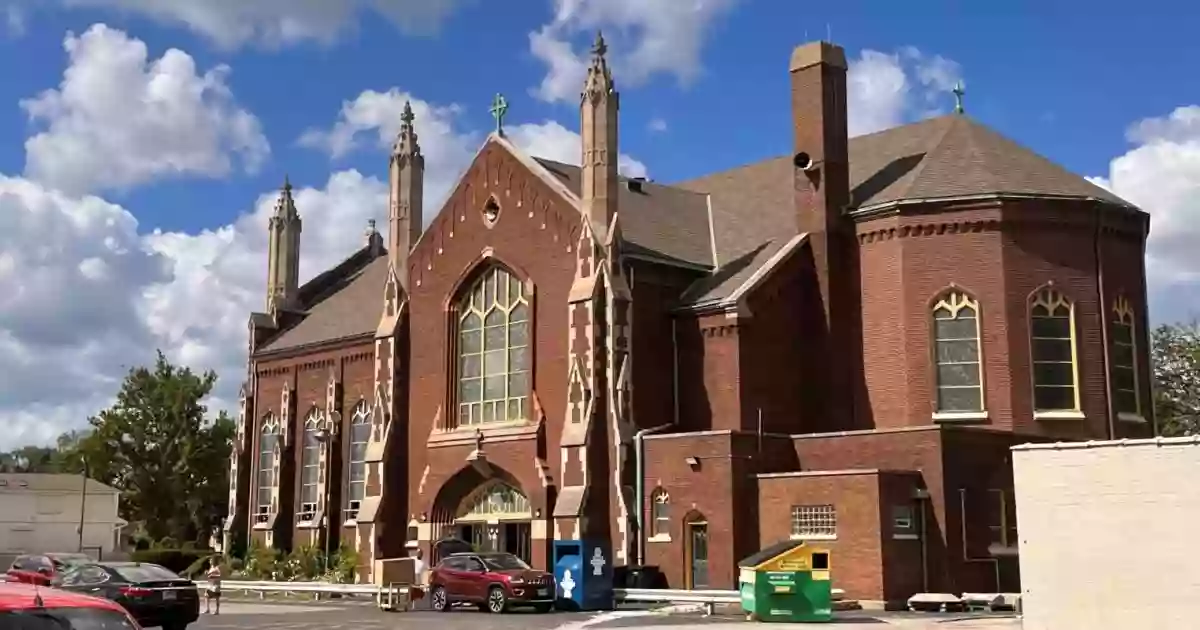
<point>656,290</point>
<point>709,372</point>
<point>855,558</point>
<point>534,237</point>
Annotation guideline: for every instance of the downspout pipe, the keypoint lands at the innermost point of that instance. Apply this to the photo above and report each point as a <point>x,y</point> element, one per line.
<point>639,445</point>
<point>1104,333</point>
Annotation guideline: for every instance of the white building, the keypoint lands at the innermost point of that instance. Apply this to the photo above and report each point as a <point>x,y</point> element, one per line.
<point>1108,534</point>
<point>40,513</point>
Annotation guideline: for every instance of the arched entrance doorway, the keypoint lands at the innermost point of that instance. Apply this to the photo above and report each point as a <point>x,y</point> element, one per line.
<point>695,556</point>
<point>496,517</point>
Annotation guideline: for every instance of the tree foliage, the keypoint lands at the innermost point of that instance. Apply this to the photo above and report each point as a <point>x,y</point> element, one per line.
<point>1175,352</point>
<point>156,446</point>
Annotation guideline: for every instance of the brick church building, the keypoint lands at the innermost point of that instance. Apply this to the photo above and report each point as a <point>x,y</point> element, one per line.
<point>840,344</point>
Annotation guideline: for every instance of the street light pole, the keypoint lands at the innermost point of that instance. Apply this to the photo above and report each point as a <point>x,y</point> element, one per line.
<point>324,436</point>
<point>83,501</point>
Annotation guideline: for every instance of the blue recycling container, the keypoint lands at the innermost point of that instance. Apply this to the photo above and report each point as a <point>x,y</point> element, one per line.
<point>583,575</point>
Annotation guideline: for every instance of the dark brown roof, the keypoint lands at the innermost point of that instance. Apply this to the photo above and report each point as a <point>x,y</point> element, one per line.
<point>752,213</point>
<point>944,157</point>
<point>350,307</point>
<point>662,222</point>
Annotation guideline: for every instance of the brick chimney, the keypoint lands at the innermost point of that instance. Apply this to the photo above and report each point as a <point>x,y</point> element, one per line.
<point>822,192</point>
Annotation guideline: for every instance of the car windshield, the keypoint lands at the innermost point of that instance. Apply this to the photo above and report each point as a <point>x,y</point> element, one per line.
<point>65,619</point>
<point>504,562</point>
<point>68,559</point>
<point>145,573</point>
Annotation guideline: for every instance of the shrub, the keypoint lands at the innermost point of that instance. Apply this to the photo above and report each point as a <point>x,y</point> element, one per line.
<point>177,560</point>
<point>262,563</point>
<point>304,563</point>
<point>344,564</point>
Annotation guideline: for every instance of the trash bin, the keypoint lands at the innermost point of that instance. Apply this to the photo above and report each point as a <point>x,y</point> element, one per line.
<point>787,582</point>
<point>583,575</point>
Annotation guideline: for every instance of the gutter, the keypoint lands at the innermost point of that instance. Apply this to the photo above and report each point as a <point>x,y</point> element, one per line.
<point>639,448</point>
<point>1098,249</point>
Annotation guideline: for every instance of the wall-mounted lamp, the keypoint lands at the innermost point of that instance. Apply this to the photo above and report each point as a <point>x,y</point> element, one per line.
<point>423,517</point>
<point>692,461</point>
<point>920,494</point>
<point>537,513</point>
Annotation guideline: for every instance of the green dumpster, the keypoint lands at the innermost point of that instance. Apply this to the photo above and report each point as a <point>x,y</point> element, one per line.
<point>788,582</point>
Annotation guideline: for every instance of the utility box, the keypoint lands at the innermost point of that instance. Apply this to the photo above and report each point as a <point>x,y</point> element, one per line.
<point>1108,534</point>
<point>787,582</point>
<point>583,575</point>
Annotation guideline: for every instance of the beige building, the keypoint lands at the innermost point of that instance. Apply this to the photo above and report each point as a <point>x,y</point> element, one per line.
<point>1108,532</point>
<point>40,513</point>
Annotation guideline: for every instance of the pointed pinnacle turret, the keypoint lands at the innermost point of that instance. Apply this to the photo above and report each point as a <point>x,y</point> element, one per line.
<point>599,78</point>
<point>406,140</point>
<point>285,206</point>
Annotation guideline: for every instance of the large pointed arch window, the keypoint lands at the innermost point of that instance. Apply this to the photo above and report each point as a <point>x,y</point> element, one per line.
<point>496,501</point>
<point>1055,372</point>
<point>1124,361</point>
<point>956,354</point>
<point>268,440</point>
<point>493,350</point>
<point>356,479</point>
<point>310,468</point>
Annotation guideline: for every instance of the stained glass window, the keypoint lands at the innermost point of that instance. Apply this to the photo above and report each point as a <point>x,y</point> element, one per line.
<point>493,350</point>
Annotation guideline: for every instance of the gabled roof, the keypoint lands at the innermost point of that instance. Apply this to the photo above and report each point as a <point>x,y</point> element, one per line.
<point>50,482</point>
<point>735,224</point>
<point>344,302</point>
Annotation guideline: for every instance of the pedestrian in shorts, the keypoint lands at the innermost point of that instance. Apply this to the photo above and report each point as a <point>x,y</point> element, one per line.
<point>212,592</point>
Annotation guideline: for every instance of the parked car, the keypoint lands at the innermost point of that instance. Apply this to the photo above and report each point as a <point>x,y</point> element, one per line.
<point>42,568</point>
<point>493,581</point>
<point>154,595</point>
<point>32,607</point>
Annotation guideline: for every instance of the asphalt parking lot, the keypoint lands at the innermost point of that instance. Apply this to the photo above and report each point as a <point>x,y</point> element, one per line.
<point>365,616</point>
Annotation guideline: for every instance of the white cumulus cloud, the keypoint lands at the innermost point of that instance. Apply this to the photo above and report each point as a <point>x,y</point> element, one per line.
<point>272,23</point>
<point>889,89</point>
<point>120,118</point>
<point>1161,174</point>
<point>646,37</point>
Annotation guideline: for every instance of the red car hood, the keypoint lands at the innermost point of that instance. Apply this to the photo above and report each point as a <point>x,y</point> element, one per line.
<point>529,575</point>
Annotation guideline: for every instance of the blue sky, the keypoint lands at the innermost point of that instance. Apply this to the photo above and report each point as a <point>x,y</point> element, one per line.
<point>135,182</point>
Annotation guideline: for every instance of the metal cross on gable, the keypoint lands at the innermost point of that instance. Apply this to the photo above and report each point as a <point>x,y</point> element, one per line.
<point>958,91</point>
<point>499,109</point>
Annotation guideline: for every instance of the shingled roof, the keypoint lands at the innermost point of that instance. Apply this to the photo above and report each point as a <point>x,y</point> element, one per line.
<point>733,222</point>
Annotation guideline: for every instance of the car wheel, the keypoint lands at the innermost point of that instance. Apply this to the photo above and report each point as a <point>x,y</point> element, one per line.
<point>497,601</point>
<point>439,600</point>
<point>543,608</point>
<point>174,625</point>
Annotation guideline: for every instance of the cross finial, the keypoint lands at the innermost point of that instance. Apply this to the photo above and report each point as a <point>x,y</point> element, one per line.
<point>599,48</point>
<point>499,109</point>
<point>958,91</point>
<point>406,116</point>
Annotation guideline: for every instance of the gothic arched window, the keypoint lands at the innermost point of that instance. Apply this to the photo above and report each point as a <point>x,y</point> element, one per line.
<point>1126,400</point>
<point>1055,372</point>
<point>360,434</point>
<point>268,439</point>
<point>956,354</point>
<point>493,350</point>
<point>310,467</point>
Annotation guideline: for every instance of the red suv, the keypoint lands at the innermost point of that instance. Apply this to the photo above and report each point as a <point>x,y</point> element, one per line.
<point>493,581</point>
<point>32,607</point>
<point>42,568</point>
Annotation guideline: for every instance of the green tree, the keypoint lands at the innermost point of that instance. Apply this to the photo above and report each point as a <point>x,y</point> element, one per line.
<point>1175,351</point>
<point>157,447</point>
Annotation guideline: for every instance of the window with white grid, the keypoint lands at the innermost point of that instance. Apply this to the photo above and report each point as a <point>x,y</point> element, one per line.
<point>360,434</point>
<point>814,521</point>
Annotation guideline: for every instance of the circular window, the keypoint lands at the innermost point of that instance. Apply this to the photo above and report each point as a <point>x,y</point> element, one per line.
<point>491,210</point>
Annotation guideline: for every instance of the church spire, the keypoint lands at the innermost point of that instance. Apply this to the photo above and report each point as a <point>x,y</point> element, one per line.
<point>598,128</point>
<point>283,251</point>
<point>406,175</point>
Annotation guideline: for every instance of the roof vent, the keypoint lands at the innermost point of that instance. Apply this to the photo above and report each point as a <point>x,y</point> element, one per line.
<point>634,184</point>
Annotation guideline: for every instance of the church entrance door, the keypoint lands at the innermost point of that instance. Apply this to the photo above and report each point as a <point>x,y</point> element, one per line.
<point>496,517</point>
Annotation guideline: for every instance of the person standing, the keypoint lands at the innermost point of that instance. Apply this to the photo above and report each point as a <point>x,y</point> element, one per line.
<point>212,592</point>
<point>420,580</point>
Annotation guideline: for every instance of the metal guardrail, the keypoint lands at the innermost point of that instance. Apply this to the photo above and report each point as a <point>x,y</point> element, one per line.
<point>382,594</point>
<point>707,598</point>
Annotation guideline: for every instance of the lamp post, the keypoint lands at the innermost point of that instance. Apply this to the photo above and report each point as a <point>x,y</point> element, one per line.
<point>325,437</point>
<point>83,500</point>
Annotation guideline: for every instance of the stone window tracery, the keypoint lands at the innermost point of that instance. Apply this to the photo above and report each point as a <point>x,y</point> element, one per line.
<point>1126,400</point>
<point>310,463</point>
<point>957,355</point>
<point>268,441</point>
<point>1055,371</point>
<point>493,350</point>
<point>495,501</point>
<point>360,434</point>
